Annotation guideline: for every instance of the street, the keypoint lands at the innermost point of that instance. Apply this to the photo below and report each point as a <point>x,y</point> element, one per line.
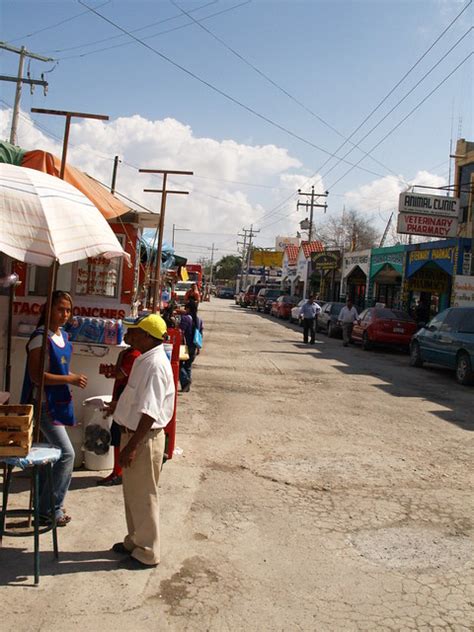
<point>319,488</point>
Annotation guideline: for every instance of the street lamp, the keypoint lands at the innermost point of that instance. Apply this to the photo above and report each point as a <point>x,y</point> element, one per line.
<point>175,229</point>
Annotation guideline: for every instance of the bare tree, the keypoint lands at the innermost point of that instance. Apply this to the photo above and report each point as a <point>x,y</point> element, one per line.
<point>349,231</point>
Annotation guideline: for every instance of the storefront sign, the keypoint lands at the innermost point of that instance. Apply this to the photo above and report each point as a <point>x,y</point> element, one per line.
<point>466,263</point>
<point>463,291</point>
<point>282,242</point>
<point>325,260</point>
<point>420,203</point>
<point>434,281</point>
<point>443,257</point>
<point>23,308</point>
<point>427,225</point>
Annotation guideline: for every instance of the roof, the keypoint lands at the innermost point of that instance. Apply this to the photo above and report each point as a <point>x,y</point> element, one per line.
<point>311,246</point>
<point>292,252</point>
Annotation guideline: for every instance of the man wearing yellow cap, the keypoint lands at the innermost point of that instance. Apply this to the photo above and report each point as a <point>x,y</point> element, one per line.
<point>145,407</point>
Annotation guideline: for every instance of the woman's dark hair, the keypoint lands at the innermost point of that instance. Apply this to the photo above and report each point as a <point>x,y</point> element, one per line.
<point>56,296</point>
<point>192,308</point>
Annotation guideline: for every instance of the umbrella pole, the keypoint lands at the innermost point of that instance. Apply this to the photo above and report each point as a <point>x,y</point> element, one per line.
<point>8,367</point>
<point>47,321</point>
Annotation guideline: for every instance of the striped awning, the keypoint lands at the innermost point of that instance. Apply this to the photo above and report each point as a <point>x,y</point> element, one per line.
<point>43,218</point>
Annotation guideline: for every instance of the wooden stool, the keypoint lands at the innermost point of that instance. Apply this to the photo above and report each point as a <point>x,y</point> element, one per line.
<point>41,456</point>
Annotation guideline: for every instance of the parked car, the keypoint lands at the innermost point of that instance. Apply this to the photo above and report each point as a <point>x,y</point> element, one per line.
<point>383,326</point>
<point>281,308</point>
<point>327,319</point>
<point>448,339</point>
<point>226,292</point>
<point>265,298</point>
<point>295,312</point>
<point>250,295</point>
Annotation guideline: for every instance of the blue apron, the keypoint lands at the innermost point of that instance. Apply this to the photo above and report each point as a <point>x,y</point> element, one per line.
<point>58,399</point>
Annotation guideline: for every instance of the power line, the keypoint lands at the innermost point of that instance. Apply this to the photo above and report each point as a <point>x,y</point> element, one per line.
<point>221,92</point>
<point>275,84</point>
<point>381,102</point>
<point>175,28</point>
<point>52,26</point>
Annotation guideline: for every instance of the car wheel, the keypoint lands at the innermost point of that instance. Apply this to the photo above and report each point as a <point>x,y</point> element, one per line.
<point>366,343</point>
<point>464,372</point>
<point>415,355</point>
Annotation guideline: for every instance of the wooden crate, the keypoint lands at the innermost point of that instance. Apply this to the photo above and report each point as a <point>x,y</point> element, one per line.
<point>16,430</point>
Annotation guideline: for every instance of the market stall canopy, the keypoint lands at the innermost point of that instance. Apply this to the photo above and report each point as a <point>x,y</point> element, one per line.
<point>43,218</point>
<point>43,161</point>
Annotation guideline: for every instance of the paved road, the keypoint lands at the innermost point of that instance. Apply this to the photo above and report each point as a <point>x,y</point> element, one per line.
<point>320,488</point>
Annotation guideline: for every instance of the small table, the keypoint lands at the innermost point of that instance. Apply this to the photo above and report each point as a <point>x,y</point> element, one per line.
<point>40,456</point>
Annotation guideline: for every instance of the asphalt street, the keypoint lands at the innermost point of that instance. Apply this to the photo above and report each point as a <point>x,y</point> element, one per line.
<point>317,488</point>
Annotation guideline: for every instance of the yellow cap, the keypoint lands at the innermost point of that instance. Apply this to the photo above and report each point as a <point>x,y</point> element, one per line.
<point>153,324</point>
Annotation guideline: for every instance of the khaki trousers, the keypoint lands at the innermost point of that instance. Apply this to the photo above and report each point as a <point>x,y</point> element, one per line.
<point>140,493</point>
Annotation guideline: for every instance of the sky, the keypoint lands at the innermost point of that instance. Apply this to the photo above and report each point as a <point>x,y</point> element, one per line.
<point>256,97</point>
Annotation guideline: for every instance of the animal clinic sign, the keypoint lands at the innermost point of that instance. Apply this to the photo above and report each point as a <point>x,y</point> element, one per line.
<point>428,215</point>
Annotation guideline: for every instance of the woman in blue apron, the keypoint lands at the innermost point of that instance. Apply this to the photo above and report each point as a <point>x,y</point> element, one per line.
<point>57,410</point>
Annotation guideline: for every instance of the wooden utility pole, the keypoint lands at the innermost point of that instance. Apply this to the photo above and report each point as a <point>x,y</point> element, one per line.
<point>69,116</point>
<point>164,192</point>
<point>114,174</point>
<point>311,205</point>
<point>19,80</point>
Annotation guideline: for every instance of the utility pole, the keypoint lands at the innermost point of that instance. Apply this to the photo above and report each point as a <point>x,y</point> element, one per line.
<point>244,246</point>
<point>175,228</point>
<point>212,263</point>
<point>114,174</point>
<point>19,80</point>
<point>251,233</point>
<point>311,205</point>
<point>164,192</point>
<point>68,115</point>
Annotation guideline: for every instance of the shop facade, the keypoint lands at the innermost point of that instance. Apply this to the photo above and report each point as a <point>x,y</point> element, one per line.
<point>325,276</point>
<point>431,270</point>
<point>386,276</point>
<point>355,275</point>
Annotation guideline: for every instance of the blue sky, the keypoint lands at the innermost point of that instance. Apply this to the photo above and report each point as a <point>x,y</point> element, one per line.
<point>338,58</point>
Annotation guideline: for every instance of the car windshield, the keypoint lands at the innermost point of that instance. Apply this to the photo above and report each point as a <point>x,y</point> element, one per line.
<point>182,286</point>
<point>273,294</point>
<point>392,314</point>
<point>336,307</point>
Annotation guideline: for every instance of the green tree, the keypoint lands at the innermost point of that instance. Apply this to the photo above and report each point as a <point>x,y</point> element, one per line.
<point>227,268</point>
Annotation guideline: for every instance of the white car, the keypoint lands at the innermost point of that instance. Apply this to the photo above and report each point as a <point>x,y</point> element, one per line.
<point>295,312</point>
<point>180,290</point>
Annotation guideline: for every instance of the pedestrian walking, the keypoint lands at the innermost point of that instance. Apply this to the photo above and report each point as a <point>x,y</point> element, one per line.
<point>347,317</point>
<point>189,323</point>
<point>144,409</point>
<point>57,409</point>
<point>309,311</point>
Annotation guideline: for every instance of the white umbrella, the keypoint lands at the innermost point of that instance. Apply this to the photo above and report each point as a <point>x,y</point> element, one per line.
<point>43,219</point>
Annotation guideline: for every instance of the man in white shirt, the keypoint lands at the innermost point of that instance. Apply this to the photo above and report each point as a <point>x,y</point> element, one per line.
<point>347,316</point>
<point>145,407</point>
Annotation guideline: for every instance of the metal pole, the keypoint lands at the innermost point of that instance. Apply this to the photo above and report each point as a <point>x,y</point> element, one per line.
<point>172,238</point>
<point>16,106</point>
<point>114,174</point>
<point>65,144</point>
<point>157,283</point>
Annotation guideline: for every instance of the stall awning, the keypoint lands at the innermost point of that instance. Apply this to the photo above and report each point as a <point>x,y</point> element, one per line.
<point>39,160</point>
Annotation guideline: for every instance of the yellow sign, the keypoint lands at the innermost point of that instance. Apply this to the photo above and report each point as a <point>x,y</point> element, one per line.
<point>269,258</point>
<point>433,281</point>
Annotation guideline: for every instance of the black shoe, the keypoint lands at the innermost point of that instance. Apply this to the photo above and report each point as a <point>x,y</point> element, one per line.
<point>132,564</point>
<point>186,389</point>
<point>119,547</point>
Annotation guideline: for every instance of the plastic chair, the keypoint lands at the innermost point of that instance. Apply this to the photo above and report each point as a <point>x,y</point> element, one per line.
<point>40,456</point>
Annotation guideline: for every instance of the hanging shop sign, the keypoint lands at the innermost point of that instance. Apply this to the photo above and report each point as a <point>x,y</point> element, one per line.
<point>428,215</point>
<point>463,291</point>
<point>267,258</point>
<point>325,260</point>
<point>427,225</point>
<point>419,203</point>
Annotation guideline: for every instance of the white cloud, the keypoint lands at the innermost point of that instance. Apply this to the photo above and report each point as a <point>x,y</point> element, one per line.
<point>214,205</point>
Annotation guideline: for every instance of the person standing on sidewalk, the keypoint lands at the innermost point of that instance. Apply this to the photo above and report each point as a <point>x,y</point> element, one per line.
<point>347,317</point>
<point>144,409</point>
<point>309,311</point>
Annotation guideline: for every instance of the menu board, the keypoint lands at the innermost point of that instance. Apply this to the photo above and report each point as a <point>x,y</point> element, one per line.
<point>98,276</point>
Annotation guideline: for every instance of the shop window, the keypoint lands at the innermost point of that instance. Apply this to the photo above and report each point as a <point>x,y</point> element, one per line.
<point>98,276</point>
<point>38,279</point>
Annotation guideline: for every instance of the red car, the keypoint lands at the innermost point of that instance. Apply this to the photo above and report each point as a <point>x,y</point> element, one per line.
<point>384,326</point>
<point>281,308</point>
